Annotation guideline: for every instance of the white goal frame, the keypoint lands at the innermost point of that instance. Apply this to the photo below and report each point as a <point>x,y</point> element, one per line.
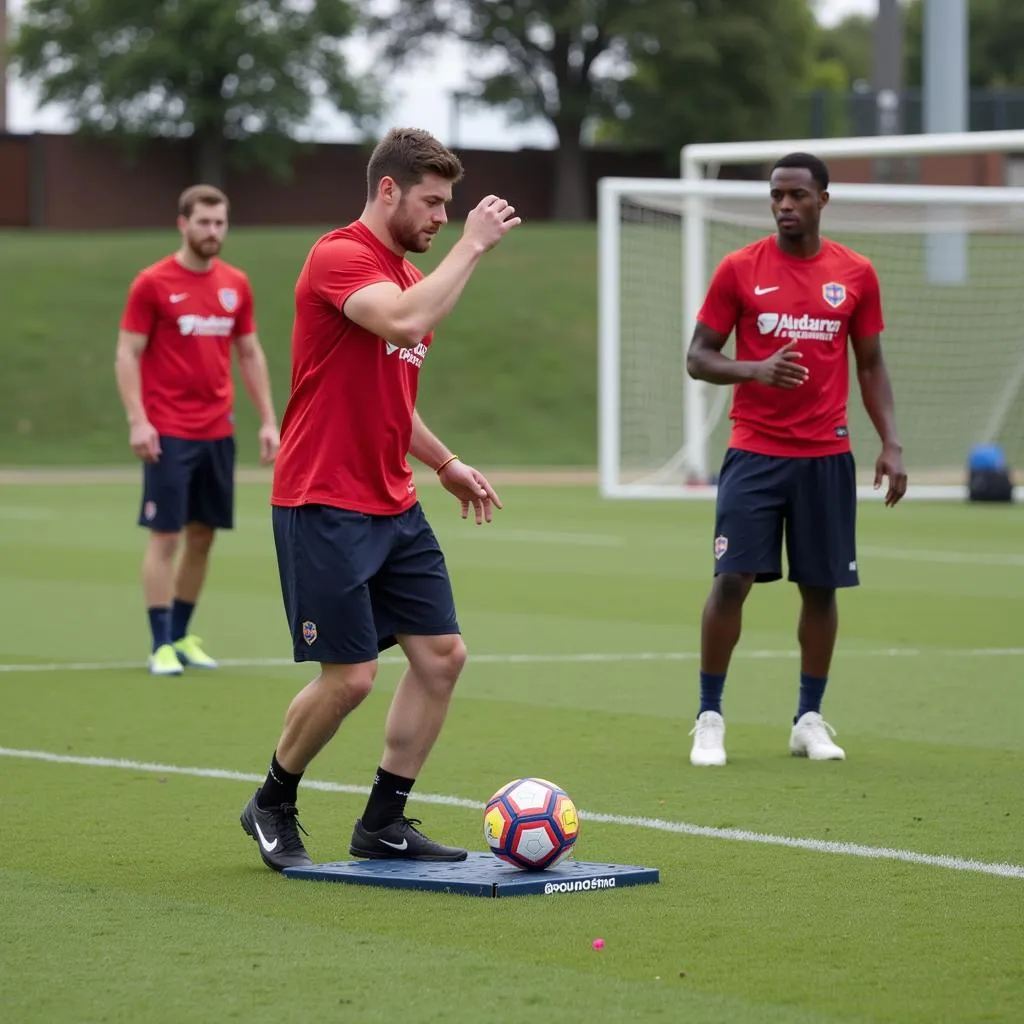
<point>694,189</point>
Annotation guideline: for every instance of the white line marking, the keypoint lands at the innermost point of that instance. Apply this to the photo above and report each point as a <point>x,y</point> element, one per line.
<point>655,824</point>
<point>595,657</point>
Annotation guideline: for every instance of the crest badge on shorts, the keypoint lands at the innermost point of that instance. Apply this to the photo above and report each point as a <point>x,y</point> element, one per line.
<point>721,546</point>
<point>834,294</point>
<point>228,298</point>
<point>149,510</point>
<point>309,633</point>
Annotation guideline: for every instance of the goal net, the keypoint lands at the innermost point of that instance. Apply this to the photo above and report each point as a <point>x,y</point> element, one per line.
<point>951,265</point>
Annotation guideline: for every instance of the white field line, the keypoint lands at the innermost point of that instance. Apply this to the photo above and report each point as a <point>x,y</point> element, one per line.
<point>656,824</point>
<point>595,657</point>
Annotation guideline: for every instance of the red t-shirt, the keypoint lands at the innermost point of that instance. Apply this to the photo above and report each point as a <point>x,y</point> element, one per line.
<point>770,298</point>
<point>189,318</point>
<point>346,429</point>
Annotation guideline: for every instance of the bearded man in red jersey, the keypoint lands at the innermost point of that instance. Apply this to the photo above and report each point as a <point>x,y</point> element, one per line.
<point>183,316</point>
<point>360,567</point>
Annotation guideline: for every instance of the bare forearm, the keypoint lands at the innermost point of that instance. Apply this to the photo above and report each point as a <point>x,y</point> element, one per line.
<point>715,368</point>
<point>423,306</point>
<point>129,384</point>
<point>253,368</point>
<point>425,445</point>
<point>879,402</point>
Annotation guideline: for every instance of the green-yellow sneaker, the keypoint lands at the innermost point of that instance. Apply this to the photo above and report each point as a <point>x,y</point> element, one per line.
<point>190,652</point>
<point>164,662</point>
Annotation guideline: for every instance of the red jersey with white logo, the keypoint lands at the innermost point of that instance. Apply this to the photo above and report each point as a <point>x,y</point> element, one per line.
<point>190,319</point>
<point>347,427</point>
<point>770,298</point>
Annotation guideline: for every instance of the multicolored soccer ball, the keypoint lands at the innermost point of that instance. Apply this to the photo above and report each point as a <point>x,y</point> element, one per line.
<point>531,823</point>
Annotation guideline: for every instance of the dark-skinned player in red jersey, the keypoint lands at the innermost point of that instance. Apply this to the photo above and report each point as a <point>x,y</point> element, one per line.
<point>360,567</point>
<point>795,300</point>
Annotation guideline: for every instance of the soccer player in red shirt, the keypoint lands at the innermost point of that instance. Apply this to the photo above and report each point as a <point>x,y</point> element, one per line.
<point>794,300</point>
<point>173,367</point>
<point>360,567</point>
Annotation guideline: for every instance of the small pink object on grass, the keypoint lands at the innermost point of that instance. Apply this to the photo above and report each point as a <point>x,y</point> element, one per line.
<point>598,943</point>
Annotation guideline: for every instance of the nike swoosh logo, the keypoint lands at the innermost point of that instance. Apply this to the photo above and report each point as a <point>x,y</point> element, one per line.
<point>269,847</point>
<point>179,298</point>
<point>403,845</point>
<point>758,290</point>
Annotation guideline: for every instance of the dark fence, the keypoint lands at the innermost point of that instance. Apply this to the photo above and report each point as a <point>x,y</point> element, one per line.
<point>71,182</point>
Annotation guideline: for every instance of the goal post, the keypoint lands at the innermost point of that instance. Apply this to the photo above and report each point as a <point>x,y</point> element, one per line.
<point>954,335</point>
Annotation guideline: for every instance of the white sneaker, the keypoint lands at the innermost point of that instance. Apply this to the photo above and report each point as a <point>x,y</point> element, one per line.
<point>708,740</point>
<point>810,738</point>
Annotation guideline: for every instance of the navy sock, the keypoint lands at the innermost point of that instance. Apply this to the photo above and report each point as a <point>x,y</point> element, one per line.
<point>181,615</point>
<point>711,687</point>
<point>160,626</point>
<point>387,800</point>
<point>812,689</point>
<point>280,787</point>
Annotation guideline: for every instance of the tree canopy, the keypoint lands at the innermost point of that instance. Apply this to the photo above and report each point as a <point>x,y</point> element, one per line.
<point>236,76</point>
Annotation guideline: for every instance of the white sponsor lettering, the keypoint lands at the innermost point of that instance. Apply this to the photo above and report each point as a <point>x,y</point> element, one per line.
<point>580,885</point>
<point>414,355</point>
<point>799,328</point>
<point>206,326</point>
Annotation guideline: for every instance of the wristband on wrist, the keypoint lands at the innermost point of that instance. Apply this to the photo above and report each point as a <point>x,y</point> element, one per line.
<point>451,458</point>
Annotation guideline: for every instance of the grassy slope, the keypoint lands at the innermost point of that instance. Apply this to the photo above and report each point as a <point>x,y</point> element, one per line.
<point>512,380</point>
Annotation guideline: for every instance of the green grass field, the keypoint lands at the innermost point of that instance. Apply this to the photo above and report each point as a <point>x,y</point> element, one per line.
<point>512,379</point>
<point>130,893</point>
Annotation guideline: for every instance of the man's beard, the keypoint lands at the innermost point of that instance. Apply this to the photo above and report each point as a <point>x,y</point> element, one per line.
<point>404,232</point>
<point>206,249</point>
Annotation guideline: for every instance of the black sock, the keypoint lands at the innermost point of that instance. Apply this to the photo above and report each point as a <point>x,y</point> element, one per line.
<point>387,800</point>
<point>160,625</point>
<point>711,688</point>
<point>281,787</point>
<point>812,690</point>
<point>181,614</point>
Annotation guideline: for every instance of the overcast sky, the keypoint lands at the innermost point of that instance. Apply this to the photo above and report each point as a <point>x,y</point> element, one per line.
<point>421,99</point>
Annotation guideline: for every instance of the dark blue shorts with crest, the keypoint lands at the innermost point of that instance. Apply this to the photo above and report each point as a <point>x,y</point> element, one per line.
<point>352,583</point>
<point>810,502</point>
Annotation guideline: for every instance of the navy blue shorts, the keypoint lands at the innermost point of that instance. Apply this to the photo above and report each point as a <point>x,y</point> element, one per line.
<point>193,482</point>
<point>353,582</point>
<point>812,501</point>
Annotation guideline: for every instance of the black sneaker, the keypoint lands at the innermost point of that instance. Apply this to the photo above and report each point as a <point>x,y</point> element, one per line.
<point>400,840</point>
<point>276,830</point>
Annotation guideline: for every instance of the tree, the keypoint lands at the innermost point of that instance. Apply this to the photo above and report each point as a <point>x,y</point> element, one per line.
<point>236,76</point>
<point>996,47</point>
<point>719,70</point>
<point>851,44</point>
<point>562,60</point>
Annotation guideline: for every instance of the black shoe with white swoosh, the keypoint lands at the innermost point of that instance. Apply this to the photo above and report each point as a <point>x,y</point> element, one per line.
<point>401,840</point>
<point>276,831</point>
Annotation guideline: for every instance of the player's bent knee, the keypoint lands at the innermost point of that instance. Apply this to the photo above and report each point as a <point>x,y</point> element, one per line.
<point>439,659</point>
<point>350,685</point>
<point>455,655</point>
